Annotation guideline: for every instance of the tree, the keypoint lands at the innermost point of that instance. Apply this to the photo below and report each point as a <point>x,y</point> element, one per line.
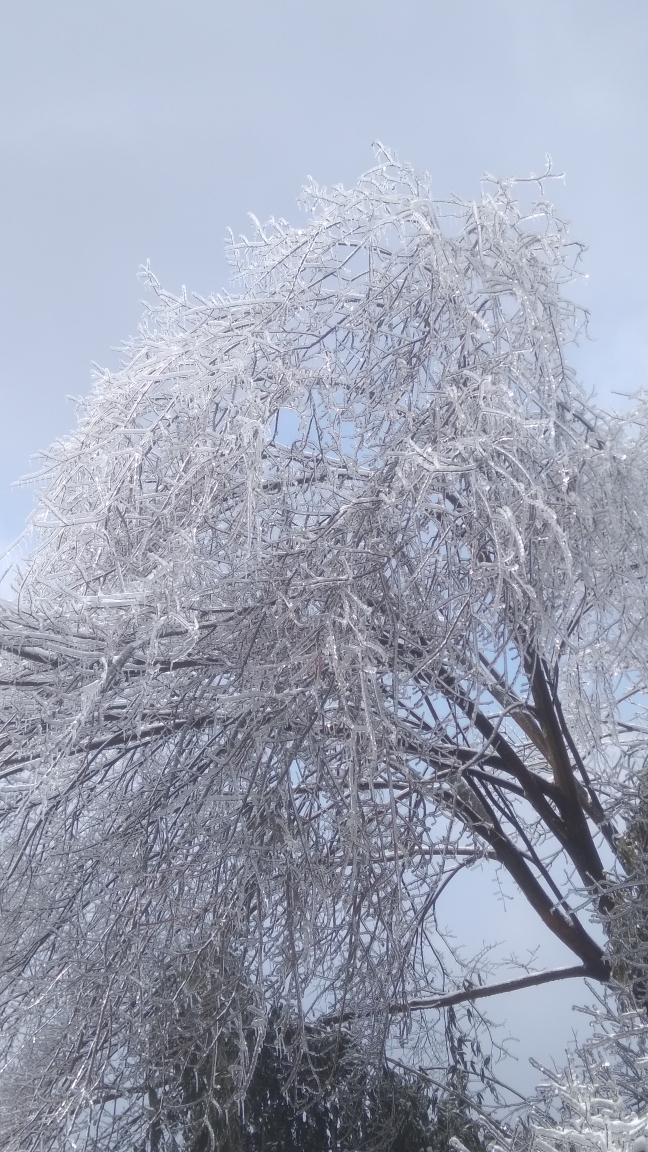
<point>338,588</point>
<point>599,1099</point>
<point>334,1101</point>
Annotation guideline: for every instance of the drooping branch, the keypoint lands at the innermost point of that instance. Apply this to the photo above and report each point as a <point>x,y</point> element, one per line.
<point>260,684</point>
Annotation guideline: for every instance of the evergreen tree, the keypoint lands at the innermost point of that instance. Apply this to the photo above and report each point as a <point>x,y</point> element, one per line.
<point>331,1101</point>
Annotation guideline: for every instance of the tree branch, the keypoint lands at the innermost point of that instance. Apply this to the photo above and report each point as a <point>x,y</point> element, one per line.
<point>562,922</point>
<point>467,995</point>
<point>581,846</point>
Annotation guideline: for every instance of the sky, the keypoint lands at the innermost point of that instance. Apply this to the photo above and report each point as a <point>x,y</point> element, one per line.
<point>134,130</point>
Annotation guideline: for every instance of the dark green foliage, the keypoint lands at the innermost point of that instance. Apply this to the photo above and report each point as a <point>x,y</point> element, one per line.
<point>451,1118</point>
<point>331,1100</point>
<point>626,919</point>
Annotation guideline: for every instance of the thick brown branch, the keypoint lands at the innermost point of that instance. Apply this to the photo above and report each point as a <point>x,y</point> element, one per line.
<point>581,846</point>
<point>564,924</point>
<point>534,790</point>
<point>467,995</point>
<point>518,710</point>
<point>589,800</point>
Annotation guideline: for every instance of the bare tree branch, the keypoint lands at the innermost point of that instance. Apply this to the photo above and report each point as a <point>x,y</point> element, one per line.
<point>468,995</point>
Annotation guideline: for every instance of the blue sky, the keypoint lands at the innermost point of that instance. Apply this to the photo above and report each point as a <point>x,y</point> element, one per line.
<point>142,129</point>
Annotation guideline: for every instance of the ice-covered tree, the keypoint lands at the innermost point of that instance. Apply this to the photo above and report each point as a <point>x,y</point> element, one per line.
<point>594,1117</point>
<point>338,587</point>
<point>583,1115</point>
<point>598,1103</point>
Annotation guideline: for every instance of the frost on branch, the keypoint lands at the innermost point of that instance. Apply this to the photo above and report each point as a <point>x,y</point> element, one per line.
<point>598,1103</point>
<point>590,1112</point>
<point>338,587</point>
<point>594,1117</point>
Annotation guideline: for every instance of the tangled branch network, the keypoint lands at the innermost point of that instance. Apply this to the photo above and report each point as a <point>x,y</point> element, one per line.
<point>338,587</point>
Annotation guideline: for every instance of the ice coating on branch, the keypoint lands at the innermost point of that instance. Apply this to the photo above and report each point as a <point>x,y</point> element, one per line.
<point>593,1119</point>
<point>308,577</point>
<point>390,356</point>
<point>598,1101</point>
<point>592,1113</point>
